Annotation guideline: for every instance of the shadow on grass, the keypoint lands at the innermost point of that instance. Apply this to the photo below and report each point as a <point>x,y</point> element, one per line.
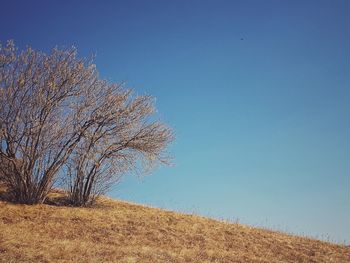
<point>4,196</point>
<point>56,197</point>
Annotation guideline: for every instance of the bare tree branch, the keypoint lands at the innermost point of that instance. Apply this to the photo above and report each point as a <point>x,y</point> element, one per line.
<point>59,119</point>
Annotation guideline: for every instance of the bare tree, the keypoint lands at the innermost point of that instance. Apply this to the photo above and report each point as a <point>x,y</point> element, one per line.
<point>38,118</point>
<point>54,110</point>
<point>123,138</point>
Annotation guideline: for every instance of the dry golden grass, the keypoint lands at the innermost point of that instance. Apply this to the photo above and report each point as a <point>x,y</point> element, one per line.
<point>116,231</point>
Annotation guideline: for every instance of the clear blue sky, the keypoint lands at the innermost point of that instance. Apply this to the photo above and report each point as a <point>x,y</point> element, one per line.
<point>258,93</point>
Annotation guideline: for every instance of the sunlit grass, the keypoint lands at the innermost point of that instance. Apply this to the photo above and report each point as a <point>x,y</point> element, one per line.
<point>115,231</point>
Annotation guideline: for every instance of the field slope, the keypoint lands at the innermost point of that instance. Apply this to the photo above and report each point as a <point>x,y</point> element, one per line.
<point>116,231</point>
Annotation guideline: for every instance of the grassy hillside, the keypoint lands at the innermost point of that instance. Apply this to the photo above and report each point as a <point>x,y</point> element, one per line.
<point>116,231</point>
